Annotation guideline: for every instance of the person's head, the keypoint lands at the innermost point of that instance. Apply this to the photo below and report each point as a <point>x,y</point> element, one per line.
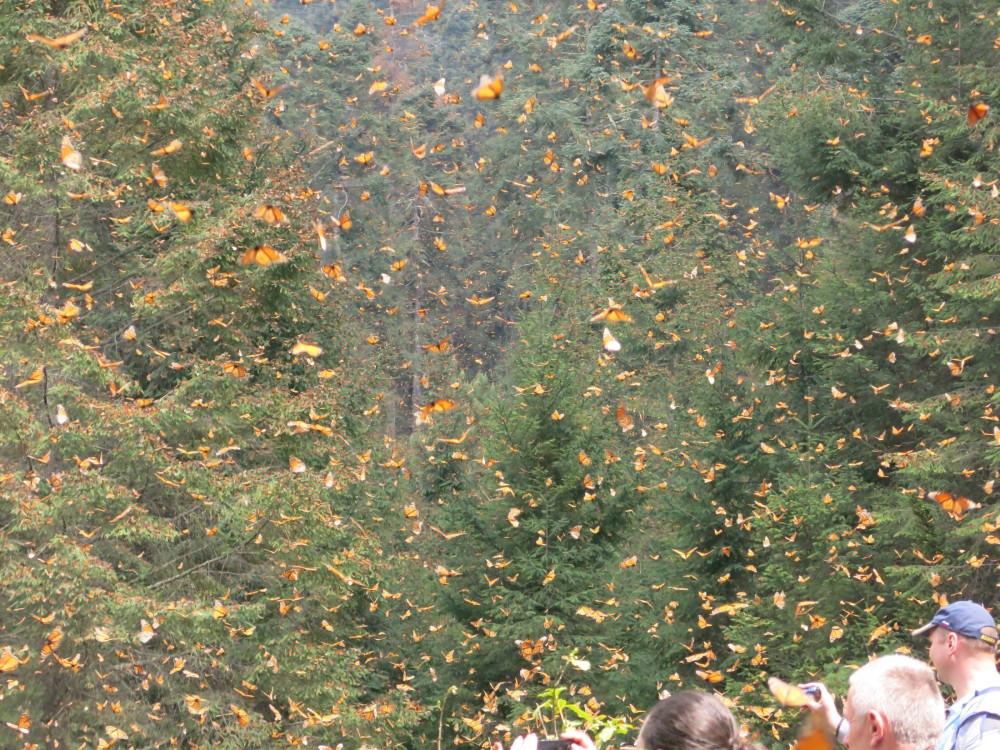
<point>961,632</point>
<point>893,703</point>
<point>690,720</point>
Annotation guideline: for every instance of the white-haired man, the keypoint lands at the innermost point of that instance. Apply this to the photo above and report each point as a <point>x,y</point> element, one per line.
<point>893,704</point>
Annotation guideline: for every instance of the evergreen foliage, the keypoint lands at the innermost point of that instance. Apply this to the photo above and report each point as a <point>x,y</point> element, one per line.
<point>347,400</point>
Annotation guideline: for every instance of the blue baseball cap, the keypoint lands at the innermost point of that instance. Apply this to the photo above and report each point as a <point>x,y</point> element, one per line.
<point>965,618</point>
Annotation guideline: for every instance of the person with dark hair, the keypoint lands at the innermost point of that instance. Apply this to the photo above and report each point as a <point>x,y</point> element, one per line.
<point>690,720</point>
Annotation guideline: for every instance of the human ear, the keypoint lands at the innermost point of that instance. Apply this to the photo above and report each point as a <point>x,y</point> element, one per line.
<point>878,727</point>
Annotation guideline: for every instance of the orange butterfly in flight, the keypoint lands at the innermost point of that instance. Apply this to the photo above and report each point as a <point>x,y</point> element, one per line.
<point>977,111</point>
<point>270,214</point>
<point>438,348</point>
<point>656,94</point>
<point>52,642</point>
<point>170,148</point>
<point>321,234</point>
<point>613,313</point>
<point>786,694</point>
<point>813,737</point>
<point>304,347</point>
<point>262,255</point>
<point>488,88</point>
<point>441,404</point>
<point>432,13</point>
<point>184,213</point>
<point>71,158</point>
<point>438,190</point>
<point>232,368</point>
<point>954,505</point>
<point>264,90</point>
<point>61,42</point>
<point>623,418</point>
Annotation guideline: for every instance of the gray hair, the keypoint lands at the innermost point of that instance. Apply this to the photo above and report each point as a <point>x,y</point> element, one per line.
<point>904,691</point>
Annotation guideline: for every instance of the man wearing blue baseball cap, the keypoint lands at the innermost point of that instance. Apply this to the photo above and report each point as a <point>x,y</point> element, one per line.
<point>963,646</point>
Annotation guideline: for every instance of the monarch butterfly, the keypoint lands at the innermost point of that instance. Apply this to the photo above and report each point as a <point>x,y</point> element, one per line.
<point>420,151</point>
<point>262,255</point>
<point>184,213</point>
<point>219,611</point>
<point>320,234</point>
<point>304,347</point>
<point>475,299</point>
<point>23,724</point>
<point>441,404</point>
<point>114,733</point>
<point>954,505</point>
<point>9,662</point>
<point>159,176</point>
<point>439,87</point>
<point>656,94</point>
<point>786,694</point>
<point>264,90</point>
<point>334,272</point>
<point>147,631</point>
<point>33,97</point>
<point>296,465</point>
<point>977,111</point>
<point>60,42</point>
<point>241,716</point>
<point>611,344</point>
<point>195,705</point>
<point>270,214</point>
<point>813,737</point>
<point>438,190</point>
<point>488,88</point>
<point>438,348</point>
<point>232,368</point>
<point>52,642</point>
<point>691,142</point>
<point>71,158</point>
<point>613,313</point>
<point>623,418</point>
<point>365,158</point>
<point>344,223</point>
<point>432,13</point>
<point>170,148</point>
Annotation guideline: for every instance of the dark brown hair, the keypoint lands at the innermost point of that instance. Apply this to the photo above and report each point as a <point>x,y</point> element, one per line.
<point>691,720</point>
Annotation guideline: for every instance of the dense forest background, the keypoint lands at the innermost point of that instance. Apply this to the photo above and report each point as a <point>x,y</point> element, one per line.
<point>348,399</point>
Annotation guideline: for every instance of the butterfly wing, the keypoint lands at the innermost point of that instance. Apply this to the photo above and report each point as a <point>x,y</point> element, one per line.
<point>787,694</point>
